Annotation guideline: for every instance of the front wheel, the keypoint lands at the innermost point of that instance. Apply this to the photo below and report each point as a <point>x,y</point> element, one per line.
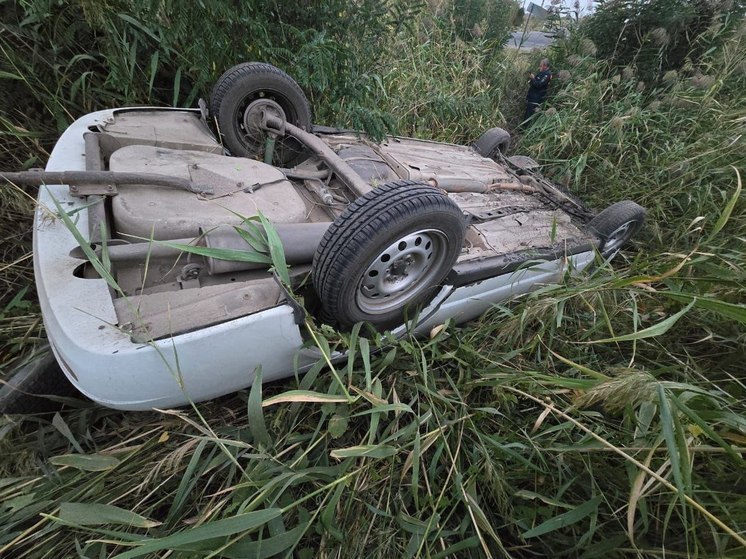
<point>616,225</point>
<point>387,253</point>
<point>493,143</point>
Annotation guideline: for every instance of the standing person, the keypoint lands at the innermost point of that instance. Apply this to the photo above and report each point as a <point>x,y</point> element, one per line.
<point>538,85</point>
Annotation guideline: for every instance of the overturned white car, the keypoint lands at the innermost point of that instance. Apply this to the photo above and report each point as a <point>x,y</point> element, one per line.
<point>155,293</point>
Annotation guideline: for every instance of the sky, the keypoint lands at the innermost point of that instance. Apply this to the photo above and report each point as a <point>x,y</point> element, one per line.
<point>586,6</point>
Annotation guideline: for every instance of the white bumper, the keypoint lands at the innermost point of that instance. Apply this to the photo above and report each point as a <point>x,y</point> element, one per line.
<point>101,360</point>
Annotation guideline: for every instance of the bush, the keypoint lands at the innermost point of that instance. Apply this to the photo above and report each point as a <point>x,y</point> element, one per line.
<point>658,35</point>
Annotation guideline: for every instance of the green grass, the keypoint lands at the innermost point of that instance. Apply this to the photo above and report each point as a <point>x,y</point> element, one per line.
<point>605,416</point>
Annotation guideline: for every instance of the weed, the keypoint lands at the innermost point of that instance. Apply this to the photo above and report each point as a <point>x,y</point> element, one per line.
<point>601,416</point>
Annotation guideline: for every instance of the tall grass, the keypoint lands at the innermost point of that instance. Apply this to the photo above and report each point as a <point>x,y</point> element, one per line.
<point>603,416</point>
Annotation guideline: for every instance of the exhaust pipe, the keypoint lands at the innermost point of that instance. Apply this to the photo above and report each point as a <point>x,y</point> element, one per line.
<point>299,242</point>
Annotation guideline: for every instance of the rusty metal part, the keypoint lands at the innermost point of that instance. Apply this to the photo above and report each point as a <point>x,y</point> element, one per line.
<point>457,185</point>
<point>106,178</point>
<point>190,271</point>
<point>498,213</point>
<point>340,167</point>
<point>318,189</point>
<point>556,196</point>
<point>304,174</point>
<point>516,186</point>
<point>96,209</point>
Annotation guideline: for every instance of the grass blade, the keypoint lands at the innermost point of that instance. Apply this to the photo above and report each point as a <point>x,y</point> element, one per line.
<point>728,209</point>
<point>650,332</point>
<point>304,396</point>
<point>256,416</point>
<point>669,435</point>
<point>86,462</point>
<point>368,451</point>
<point>276,251</point>
<point>564,519</point>
<point>96,514</point>
<point>215,529</point>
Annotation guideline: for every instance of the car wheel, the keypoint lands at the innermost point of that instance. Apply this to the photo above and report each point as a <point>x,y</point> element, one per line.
<point>239,98</point>
<point>25,391</point>
<point>616,225</point>
<point>493,142</point>
<point>386,254</point>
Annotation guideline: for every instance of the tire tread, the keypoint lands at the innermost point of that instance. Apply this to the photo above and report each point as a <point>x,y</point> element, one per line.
<point>227,78</point>
<point>608,220</point>
<point>493,141</point>
<point>375,211</point>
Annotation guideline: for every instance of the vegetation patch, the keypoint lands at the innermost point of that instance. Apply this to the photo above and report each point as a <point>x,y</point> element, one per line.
<point>603,416</point>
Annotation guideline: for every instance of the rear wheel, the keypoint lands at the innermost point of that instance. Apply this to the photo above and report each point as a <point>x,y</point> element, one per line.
<point>492,143</point>
<point>387,253</point>
<point>243,94</point>
<point>616,225</point>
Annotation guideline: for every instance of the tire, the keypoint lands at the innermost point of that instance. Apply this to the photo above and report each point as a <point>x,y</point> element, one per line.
<point>219,88</point>
<point>402,239</point>
<point>26,390</point>
<point>237,100</point>
<point>616,225</point>
<point>493,142</point>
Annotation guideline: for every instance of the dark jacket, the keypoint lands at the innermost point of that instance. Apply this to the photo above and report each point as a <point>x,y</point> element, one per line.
<point>538,86</point>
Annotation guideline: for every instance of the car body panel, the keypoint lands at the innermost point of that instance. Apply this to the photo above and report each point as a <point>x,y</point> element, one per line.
<point>105,356</point>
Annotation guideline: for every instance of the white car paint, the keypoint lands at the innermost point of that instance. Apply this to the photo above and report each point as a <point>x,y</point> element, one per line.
<point>104,363</point>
